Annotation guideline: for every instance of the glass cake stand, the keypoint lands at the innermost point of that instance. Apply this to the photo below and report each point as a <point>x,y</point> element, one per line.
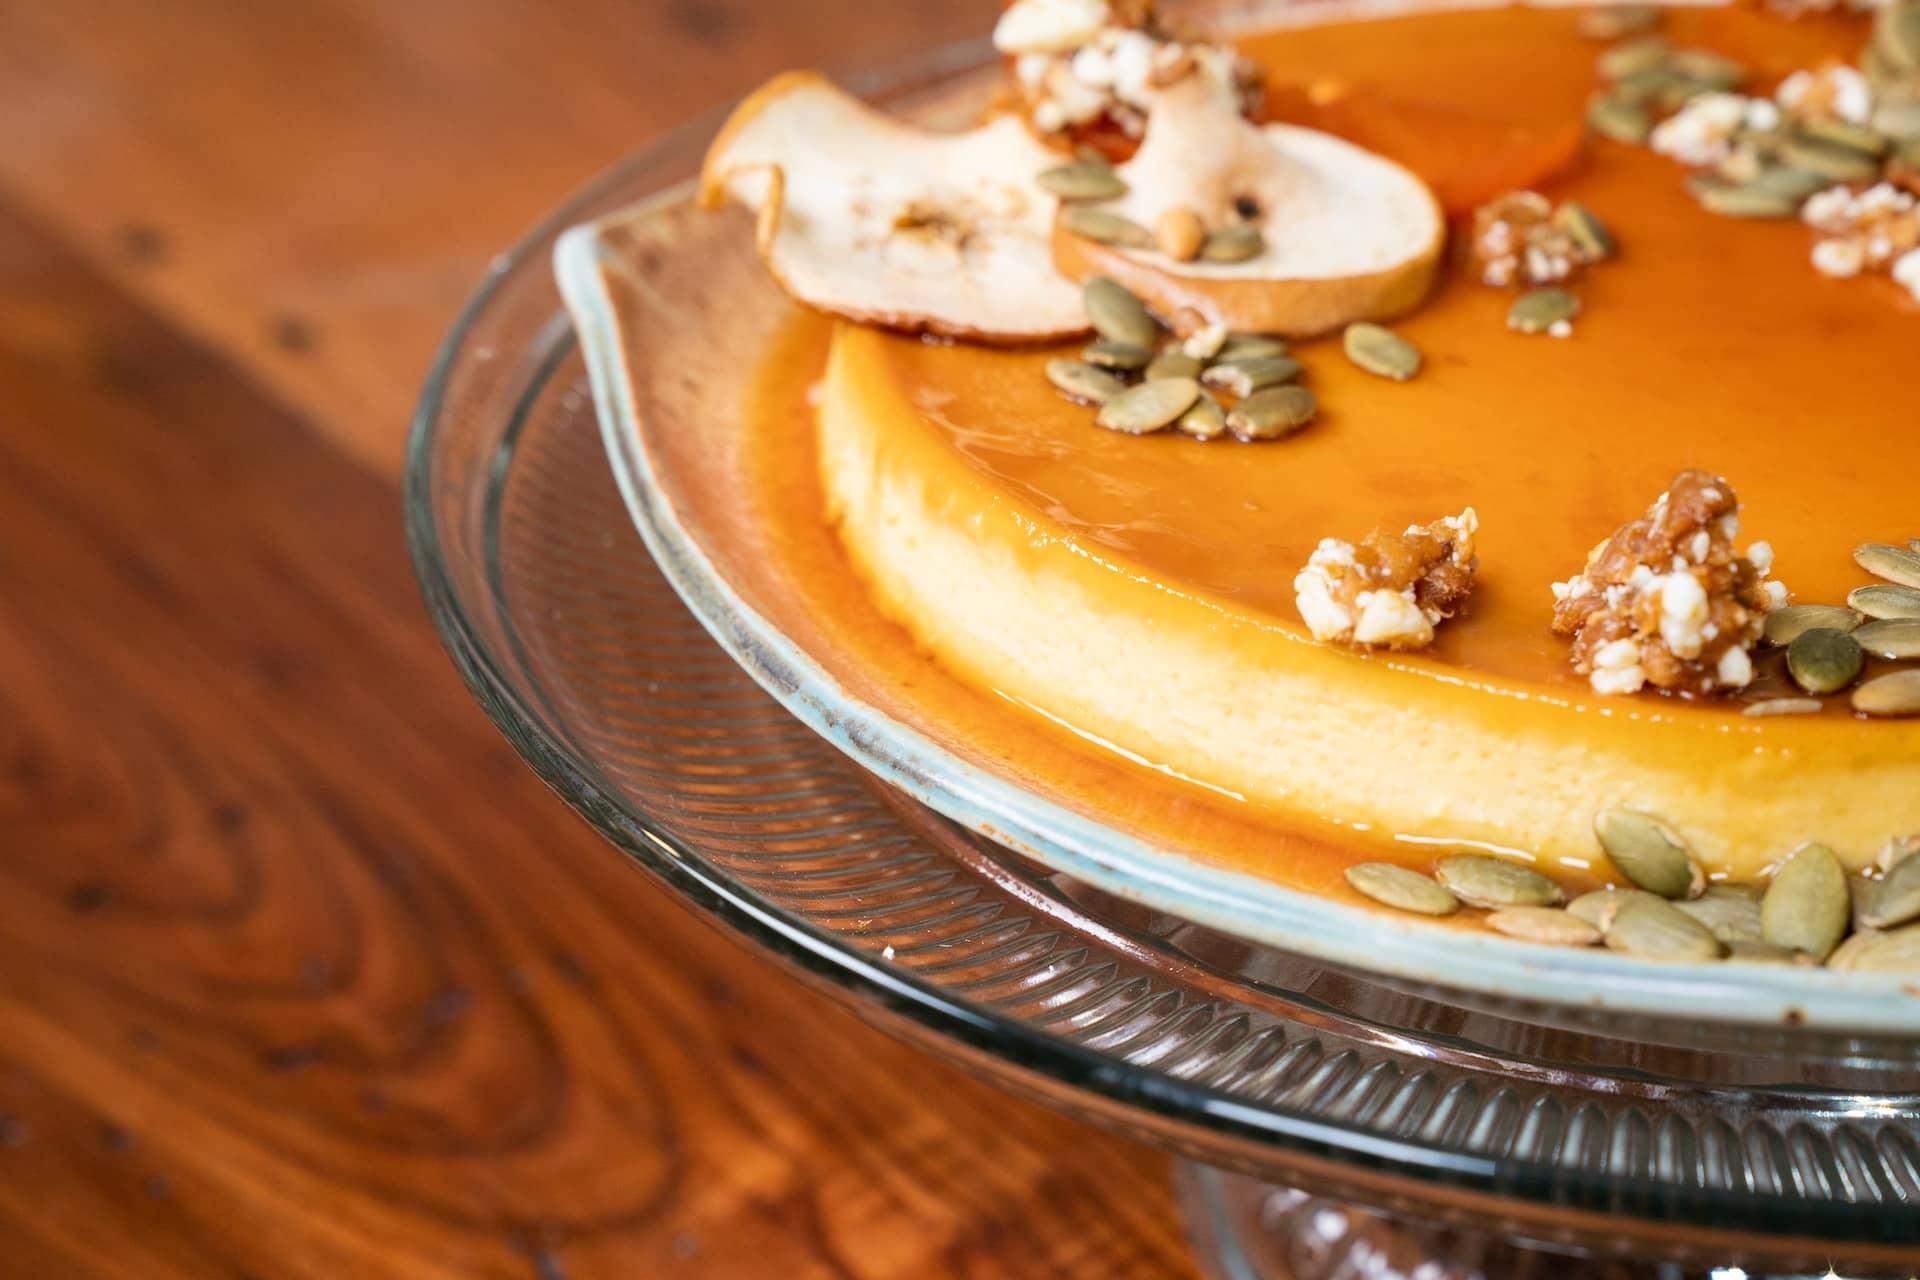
<point>1331,1124</point>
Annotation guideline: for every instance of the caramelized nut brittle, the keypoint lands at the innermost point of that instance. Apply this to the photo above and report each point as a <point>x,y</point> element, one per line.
<point>1522,239</point>
<point>1873,230</point>
<point>1393,589</point>
<point>1666,600</point>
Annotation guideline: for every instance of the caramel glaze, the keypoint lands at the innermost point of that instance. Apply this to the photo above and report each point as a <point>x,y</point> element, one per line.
<point>1709,342</point>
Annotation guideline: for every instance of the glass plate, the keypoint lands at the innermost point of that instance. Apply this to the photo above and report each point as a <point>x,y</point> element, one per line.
<point>1683,1137</point>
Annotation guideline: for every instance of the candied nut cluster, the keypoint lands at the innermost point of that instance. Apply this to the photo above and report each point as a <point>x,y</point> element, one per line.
<point>1704,131</point>
<point>1391,590</point>
<point>1666,600</point>
<point>1522,239</point>
<point>1832,92</point>
<point>1873,230</point>
<point>1087,69</point>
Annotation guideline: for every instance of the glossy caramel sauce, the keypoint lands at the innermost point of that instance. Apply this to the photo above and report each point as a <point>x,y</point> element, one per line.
<point>1709,342</point>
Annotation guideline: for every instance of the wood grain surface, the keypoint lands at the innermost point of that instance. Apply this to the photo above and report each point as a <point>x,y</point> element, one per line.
<point>302,973</point>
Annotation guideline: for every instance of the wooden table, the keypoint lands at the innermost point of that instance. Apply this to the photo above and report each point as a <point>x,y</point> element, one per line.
<point>302,973</point>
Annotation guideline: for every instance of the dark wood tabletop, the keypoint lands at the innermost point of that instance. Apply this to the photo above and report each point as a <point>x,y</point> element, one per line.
<point>302,972</point>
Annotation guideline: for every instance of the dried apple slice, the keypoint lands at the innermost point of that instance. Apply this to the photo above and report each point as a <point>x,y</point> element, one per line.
<point>1349,235</point>
<point>890,224</point>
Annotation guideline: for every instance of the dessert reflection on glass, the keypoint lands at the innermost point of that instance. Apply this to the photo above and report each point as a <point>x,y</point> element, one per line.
<point>1488,433</point>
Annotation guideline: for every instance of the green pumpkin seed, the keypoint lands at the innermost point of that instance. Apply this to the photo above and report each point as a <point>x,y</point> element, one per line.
<point>1549,925</point>
<point>1850,947</point>
<point>1895,564</point>
<point>1844,133</point>
<point>1205,421</point>
<point>1174,363</point>
<point>1247,345</point>
<point>1784,626</point>
<point>1496,882</point>
<point>1894,952</point>
<point>1860,892</point>
<point>1896,35</point>
<point>1898,120</point>
<point>1617,20</point>
<point>1896,851</point>
<point>1117,315</point>
<point>1121,356</point>
<point>1892,696</point>
<point>1648,853</point>
<point>1823,661</point>
<point>1753,951</point>
<point>1273,413</point>
<point>1086,180</point>
<point>1241,376</point>
<point>1783,707</point>
<point>1630,56</point>
<point>1787,182</point>
<point>1235,242</point>
<point>1103,226</point>
<point>1707,69</point>
<point>1808,906</point>
<point>1841,164</point>
<point>1403,888</point>
<point>1730,912</point>
<point>1381,351</point>
<point>1894,900</point>
<point>1080,381</point>
<point>1886,602</point>
<point>1590,236</point>
<point>1654,929</point>
<point>1615,117</point>
<point>1541,309</point>
<point>1745,200</point>
<point>1895,639</point>
<point>1601,906</point>
<point>1149,407</point>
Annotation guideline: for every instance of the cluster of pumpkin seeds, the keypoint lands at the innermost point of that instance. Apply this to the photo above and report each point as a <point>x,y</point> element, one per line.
<point>1647,78</point>
<point>1088,183</point>
<point>1827,646</point>
<point>1144,379</point>
<point>1810,912</point>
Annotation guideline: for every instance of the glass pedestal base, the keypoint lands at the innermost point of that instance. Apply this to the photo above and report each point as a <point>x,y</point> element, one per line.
<point>1245,1229</point>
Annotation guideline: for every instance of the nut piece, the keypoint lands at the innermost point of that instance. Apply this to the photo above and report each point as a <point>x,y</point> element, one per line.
<point>1391,590</point>
<point>1179,233</point>
<point>1666,601</point>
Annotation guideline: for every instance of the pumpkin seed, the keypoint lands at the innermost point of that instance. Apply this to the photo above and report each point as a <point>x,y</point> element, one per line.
<point>1495,882</point>
<point>1601,906</point>
<point>1842,164</point>
<point>1244,375</point>
<point>1844,133</point>
<point>1895,564</point>
<point>1894,695</point>
<point>1124,356</point>
<point>1898,120</point>
<point>1205,421</point>
<point>1897,35</point>
<point>1753,951</point>
<point>1707,69</point>
<point>1205,343</point>
<point>1589,235</point>
<point>1860,891</point>
<point>1117,315</point>
<point>1550,925</point>
<point>1617,20</point>
<point>1658,88</point>
<point>1634,55</point>
<point>1654,929</point>
<point>1894,952</point>
<point>1896,899</point>
<point>1080,381</point>
<point>1788,182</point>
<point>1823,661</point>
<point>1085,180</point>
<point>1102,226</point>
<point>1273,413</point>
<point>1174,363</point>
<point>1239,345</point>
<point>1895,639</point>
<point>1730,912</point>
<point>1783,707</point>
<point>1807,907</point>
<point>1896,851</point>
<point>1648,853</point>
<point>1402,888</point>
<point>1745,200</point>
<point>1235,242</point>
<point>1381,351</point>
<point>1784,626</point>
<point>1149,407</point>
<point>1612,116</point>
<point>1541,309</point>
<point>1851,946</point>
<point>1886,602</point>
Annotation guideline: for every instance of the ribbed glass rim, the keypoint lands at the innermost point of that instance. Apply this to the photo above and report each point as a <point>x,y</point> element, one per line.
<point>860,979</point>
